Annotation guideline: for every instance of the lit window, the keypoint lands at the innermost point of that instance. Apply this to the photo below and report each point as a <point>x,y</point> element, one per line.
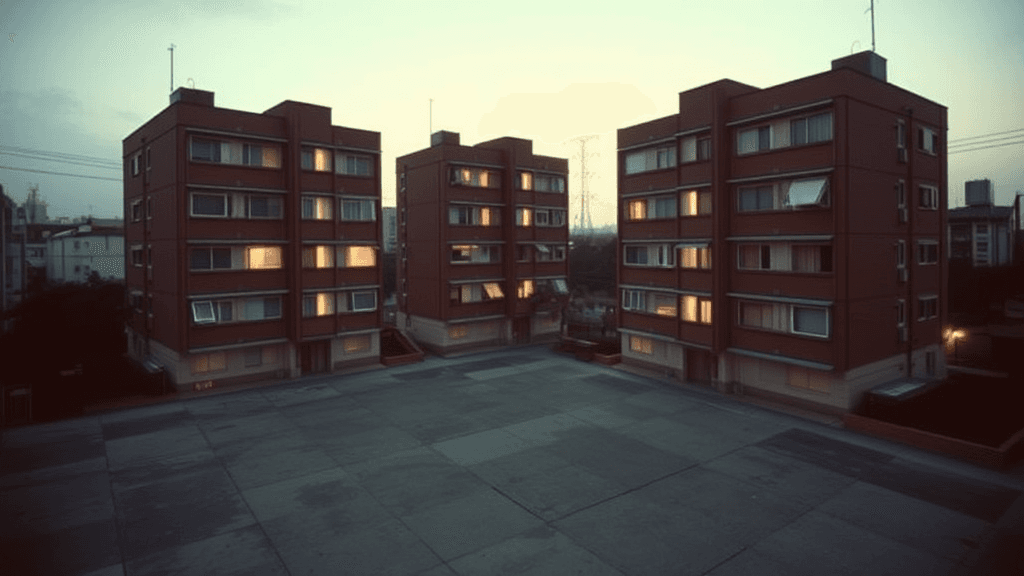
<point>318,159</point>
<point>663,304</point>
<point>652,208</point>
<point>477,177</point>
<point>689,312</point>
<point>319,304</point>
<point>493,290</point>
<point>641,345</point>
<point>354,344</point>
<point>357,256</point>
<point>212,362</point>
<point>524,217</point>
<point>705,311</point>
<point>525,181</point>
<point>689,203</point>
<point>317,208</point>
<point>318,257</point>
<point>469,253</point>
<point>525,289</point>
<point>263,257</point>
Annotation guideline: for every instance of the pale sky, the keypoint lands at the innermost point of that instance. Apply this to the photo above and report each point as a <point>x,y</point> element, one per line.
<point>77,77</point>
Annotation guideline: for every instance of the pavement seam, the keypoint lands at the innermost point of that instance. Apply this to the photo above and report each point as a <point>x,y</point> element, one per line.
<point>113,502</point>
<point>241,497</point>
<point>731,556</point>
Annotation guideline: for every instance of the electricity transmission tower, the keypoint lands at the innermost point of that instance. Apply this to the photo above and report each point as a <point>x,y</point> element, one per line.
<point>583,223</point>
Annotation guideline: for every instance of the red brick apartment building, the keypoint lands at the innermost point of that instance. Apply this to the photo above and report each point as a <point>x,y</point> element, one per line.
<point>251,241</point>
<point>482,243</point>
<point>787,241</point>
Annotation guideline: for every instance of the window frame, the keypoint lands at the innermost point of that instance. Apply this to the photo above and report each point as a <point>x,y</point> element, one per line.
<point>793,316</point>
<point>316,205</point>
<point>226,213</point>
<point>922,309</point>
<point>925,255</point>
<point>364,204</point>
<point>928,197</point>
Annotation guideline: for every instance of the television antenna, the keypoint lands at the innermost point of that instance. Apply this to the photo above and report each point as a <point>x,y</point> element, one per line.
<point>172,66</point>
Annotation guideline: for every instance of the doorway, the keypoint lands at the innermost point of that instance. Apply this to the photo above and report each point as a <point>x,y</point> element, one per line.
<point>315,357</point>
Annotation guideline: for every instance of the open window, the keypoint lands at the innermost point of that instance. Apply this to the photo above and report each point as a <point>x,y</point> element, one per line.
<point>202,312</point>
<point>812,192</point>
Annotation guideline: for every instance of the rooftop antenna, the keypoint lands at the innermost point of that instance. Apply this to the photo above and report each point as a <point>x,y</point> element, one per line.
<point>431,117</point>
<point>872,10</point>
<point>172,66</point>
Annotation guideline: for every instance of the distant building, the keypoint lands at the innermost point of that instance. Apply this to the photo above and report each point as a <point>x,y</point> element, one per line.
<point>388,228</point>
<point>73,255</point>
<point>252,242</point>
<point>787,241</point>
<point>980,232</point>
<point>482,243</point>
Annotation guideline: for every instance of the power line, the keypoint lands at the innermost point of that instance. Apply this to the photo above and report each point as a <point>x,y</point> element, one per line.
<point>987,135</point>
<point>63,155</point>
<point>987,147</point>
<point>989,141</point>
<point>61,160</point>
<point>60,173</point>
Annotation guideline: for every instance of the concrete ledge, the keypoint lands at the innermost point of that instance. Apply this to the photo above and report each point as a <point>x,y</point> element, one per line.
<point>999,458</point>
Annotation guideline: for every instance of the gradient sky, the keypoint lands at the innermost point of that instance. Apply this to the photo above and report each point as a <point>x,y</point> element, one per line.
<point>77,77</point>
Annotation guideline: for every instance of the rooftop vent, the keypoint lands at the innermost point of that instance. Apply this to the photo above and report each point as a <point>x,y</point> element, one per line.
<point>192,96</point>
<point>866,62</point>
<point>444,137</point>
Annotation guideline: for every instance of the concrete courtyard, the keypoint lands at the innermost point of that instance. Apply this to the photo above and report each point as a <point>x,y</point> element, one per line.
<point>518,461</point>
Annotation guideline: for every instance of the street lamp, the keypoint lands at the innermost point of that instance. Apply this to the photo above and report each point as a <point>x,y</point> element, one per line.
<point>956,336</point>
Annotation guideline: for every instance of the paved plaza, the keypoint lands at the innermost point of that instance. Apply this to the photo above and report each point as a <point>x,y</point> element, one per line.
<point>518,461</point>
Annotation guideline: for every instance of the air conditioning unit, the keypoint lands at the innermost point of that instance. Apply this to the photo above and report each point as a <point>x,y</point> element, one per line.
<point>903,215</point>
<point>902,155</point>
<point>901,274</point>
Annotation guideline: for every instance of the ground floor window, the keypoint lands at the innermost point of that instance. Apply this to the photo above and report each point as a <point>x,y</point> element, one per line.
<point>354,344</point>
<point>641,344</point>
<point>212,362</point>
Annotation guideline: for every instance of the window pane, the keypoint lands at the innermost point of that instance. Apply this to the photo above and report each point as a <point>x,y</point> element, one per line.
<point>263,257</point>
<point>688,257</point>
<point>360,256</point>
<point>689,311</point>
<point>705,203</point>
<point>689,149</point>
<point>635,163</point>
<point>810,320</point>
<point>363,301</point>
<point>271,157</point>
<point>798,132</point>
<point>209,205</point>
<point>764,198</point>
<point>705,311</point>
<point>221,258</point>
<point>254,309</point>
<point>324,303</point>
<point>819,128</point>
<point>748,200</point>
<point>200,259</point>
<point>272,307</point>
<point>690,203</point>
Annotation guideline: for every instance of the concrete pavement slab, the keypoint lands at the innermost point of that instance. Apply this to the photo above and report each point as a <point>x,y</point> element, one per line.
<point>955,492</point>
<point>743,513</point>
<point>28,476</point>
<point>835,455</point>
<point>289,395</point>
<point>310,495</point>
<point>18,456</point>
<point>327,543</point>
<point>233,404</point>
<point>821,544</point>
<point>178,510</point>
<point>367,445</point>
<point>672,434</point>
<point>152,448</point>
<point>414,480</point>
<point>794,479</point>
<point>237,553</point>
<point>270,459</point>
<point>749,563</point>
<point>546,485</point>
<point>925,526</point>
<point>123,427</point>
<point>477,520</point>
<point>545,429</point>
<point>70,550</point>
<point>481,447</point>
<point>231,429</point>
<point>538,552</point>
<point>112,570</point>
<point>64,503</point>
<point>611,415</point>
<point>636,536</point>
<point>616,457</point>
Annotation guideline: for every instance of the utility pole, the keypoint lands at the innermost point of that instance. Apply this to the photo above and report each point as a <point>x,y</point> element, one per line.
<point>585,225</point>
<point>172,67</point>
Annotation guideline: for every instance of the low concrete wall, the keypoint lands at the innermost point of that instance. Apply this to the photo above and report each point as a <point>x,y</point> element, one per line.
<point>1000,457</point>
